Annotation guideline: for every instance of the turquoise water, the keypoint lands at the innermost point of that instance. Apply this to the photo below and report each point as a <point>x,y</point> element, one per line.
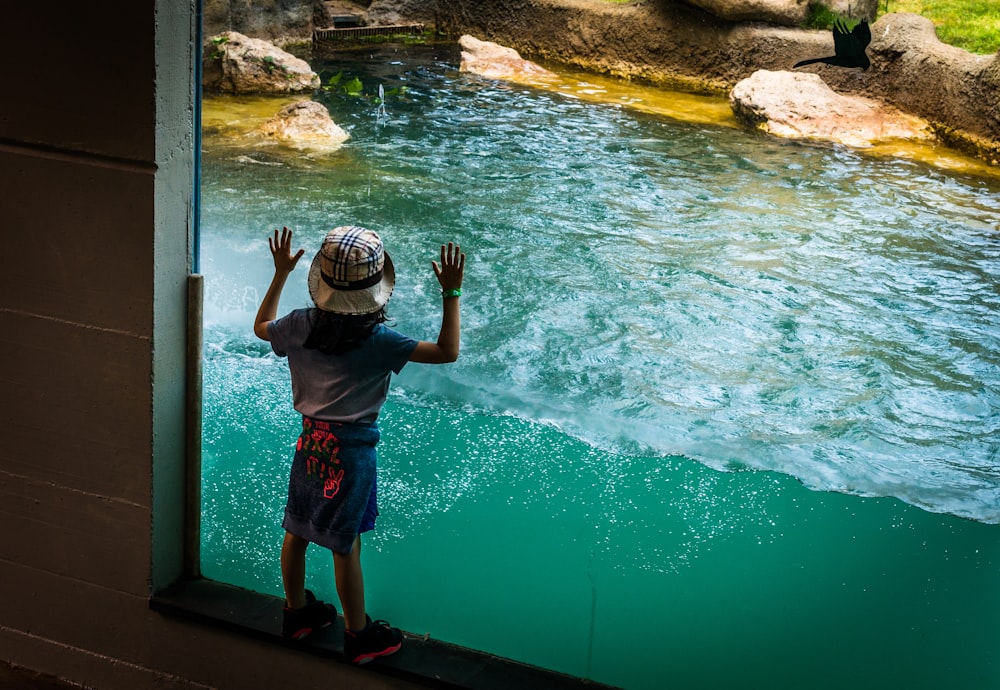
<point>727,409</point>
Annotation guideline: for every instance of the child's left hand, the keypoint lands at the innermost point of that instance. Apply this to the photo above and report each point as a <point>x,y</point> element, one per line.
<point>281,251</point>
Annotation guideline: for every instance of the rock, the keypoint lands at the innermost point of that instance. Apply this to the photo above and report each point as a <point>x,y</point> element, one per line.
<point>911,69</point>
<point>388,12</point>
<point>498,62</point>
<point>800,105</point>
<point>991,74</point>
<point>270,19</point>
<point>237,64</point>
<point>304,125</point>
<point>783,12</point>
<point>855,9</point>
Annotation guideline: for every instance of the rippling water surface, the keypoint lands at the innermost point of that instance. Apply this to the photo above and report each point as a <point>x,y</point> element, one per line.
<point>641,293</point>
<point>654,287</point>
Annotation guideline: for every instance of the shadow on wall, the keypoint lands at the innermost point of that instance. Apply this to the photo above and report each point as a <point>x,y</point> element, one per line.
<point>17,678</point>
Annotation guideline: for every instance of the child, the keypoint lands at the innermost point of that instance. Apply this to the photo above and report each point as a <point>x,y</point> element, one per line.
<point>340,355</point>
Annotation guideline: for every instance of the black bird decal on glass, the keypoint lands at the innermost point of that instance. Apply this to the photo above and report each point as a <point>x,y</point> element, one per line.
<point>849,46</point>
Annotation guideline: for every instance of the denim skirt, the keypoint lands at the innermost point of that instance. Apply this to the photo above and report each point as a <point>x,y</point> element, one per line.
<point>332,494</point>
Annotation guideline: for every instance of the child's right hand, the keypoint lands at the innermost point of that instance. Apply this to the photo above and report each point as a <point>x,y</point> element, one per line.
<point>452,268</point>
<point>449,273</point>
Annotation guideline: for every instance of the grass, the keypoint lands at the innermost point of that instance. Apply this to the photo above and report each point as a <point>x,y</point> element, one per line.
<point>970,24</point>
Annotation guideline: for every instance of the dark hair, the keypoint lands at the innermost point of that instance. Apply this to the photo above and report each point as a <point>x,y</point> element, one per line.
<point>335,334</point>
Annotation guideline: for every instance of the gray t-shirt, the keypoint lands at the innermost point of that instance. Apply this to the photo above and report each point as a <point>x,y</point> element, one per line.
<point>347,388</point>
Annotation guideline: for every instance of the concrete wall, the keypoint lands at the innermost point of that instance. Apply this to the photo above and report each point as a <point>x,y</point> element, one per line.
<point>96,164</point>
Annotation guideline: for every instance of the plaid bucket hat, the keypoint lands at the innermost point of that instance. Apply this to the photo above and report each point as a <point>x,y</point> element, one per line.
<point>351,273</point>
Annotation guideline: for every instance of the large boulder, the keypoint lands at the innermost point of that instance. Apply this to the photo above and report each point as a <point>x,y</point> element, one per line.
<point>305,125</point>
<point>237,64</point>
<point>800,105</point>
<point>270,19</point>
<point>783,12</point>
<point>388,12</point>
<point>494,61</point>
<point>855,9</point>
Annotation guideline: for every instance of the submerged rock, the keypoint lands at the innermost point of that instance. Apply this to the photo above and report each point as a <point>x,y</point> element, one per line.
<point>495,61</point>
<point>238,64</point>
<point>304,125</point>
<point>800,105</point>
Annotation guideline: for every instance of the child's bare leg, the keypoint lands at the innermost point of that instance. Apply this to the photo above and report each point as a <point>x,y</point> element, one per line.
<point>293,570</point>
<point>351,586</point>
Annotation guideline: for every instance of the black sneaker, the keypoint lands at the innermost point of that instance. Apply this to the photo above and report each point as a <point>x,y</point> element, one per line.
<point>297,623</point>
<point>377,639</point>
